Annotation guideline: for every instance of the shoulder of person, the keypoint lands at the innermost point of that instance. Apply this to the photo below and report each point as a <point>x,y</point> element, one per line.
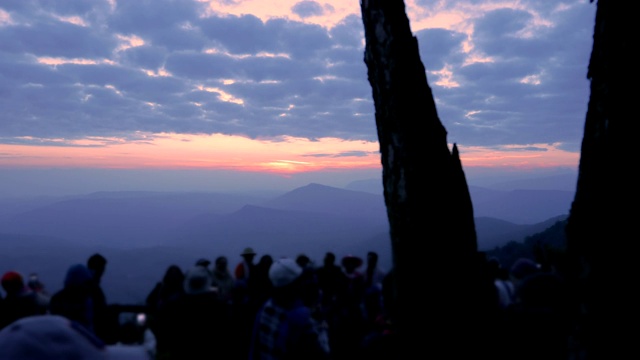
<point>299,316</point>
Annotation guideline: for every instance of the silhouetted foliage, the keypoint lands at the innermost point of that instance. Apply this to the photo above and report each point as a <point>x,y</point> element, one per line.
<point>547,247</point>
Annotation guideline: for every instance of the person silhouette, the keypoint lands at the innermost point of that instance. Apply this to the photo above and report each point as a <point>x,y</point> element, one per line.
<point>106,322</point>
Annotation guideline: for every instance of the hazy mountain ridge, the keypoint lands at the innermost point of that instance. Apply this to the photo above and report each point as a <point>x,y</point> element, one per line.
<point>279,231</point>
<point>322,199</point>
<point>148,218</point>
<point>492,232</point>
<point>566,180</point>
<point>141,233</point>
<point>506,201</point>
<point>521,206</point>
<point>119,218</point>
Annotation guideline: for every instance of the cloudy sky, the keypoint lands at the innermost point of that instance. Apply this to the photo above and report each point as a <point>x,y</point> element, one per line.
<point>240,93</point>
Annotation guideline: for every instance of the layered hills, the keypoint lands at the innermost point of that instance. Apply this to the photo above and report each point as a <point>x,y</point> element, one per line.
<point>142,233</point>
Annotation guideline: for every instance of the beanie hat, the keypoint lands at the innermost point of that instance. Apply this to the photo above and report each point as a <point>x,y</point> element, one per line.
<point>77,275</point>
<point>197,280</point>
<point>221,261</point>
<point>12,281</point>
<point>43,337</point>
<point>283,272</point>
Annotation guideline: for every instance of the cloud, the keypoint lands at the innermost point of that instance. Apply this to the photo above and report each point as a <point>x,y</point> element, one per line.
<point>439,47</point>
<point>306,9</point>
<point>501,73</point>
<point>354,153</point>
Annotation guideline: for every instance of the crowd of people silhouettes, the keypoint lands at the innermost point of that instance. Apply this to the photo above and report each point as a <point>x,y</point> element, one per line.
<point>275,308</point>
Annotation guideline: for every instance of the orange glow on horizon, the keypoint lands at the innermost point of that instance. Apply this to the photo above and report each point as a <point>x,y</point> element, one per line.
<point>522,157</point>
<point>175,151</point>
<point>285,155</point>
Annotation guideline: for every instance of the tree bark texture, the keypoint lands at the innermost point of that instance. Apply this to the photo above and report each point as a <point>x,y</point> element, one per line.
<point>602,226</point>
<point>429,209</point>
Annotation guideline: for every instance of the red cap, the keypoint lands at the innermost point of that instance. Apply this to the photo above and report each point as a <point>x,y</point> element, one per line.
<point>12,281</point>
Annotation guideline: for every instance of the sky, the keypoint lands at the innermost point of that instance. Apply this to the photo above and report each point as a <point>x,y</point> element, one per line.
<point>253,94</point>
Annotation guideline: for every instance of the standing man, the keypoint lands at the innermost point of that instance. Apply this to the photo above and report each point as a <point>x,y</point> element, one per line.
<point>373,275</point>
<point>244,267</point>
<point>243,299</point>
<point>105,322</point>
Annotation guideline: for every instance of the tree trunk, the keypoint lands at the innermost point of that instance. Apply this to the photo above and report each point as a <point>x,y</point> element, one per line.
<point>602,224</point>
<point>428,204</point>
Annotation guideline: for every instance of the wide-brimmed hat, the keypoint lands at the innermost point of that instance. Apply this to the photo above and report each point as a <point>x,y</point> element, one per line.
<point>45,337</point>
<point>351,261</point>
<point>248,251</point>
<point>203,262</point>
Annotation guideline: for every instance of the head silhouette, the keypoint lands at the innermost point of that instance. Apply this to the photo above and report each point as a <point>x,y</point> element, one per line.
<point>97,264</point>
<point>329,259</point>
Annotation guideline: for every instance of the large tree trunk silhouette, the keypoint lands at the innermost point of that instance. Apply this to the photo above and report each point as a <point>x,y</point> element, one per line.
<point>602,224</point>
<point>428,204</point>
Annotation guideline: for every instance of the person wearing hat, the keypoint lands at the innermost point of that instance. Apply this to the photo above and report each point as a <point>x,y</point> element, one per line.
<point>35,285</point>
<point>74,301</point>
<point>195,320</point>
<point>20,300</point>
<point>243,298</point>
<point>244,267</point>
<point>222,278</point>
<point>45,337</point>
<point>285,327</point>
<point>203,262</point>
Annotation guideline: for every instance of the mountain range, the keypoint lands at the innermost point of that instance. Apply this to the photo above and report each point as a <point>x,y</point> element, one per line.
<point>142,233</point>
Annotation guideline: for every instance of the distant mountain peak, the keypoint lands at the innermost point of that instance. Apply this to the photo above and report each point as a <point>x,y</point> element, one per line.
<point>316,190</point>
<point>316,185</point>
<point>320,198</point>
